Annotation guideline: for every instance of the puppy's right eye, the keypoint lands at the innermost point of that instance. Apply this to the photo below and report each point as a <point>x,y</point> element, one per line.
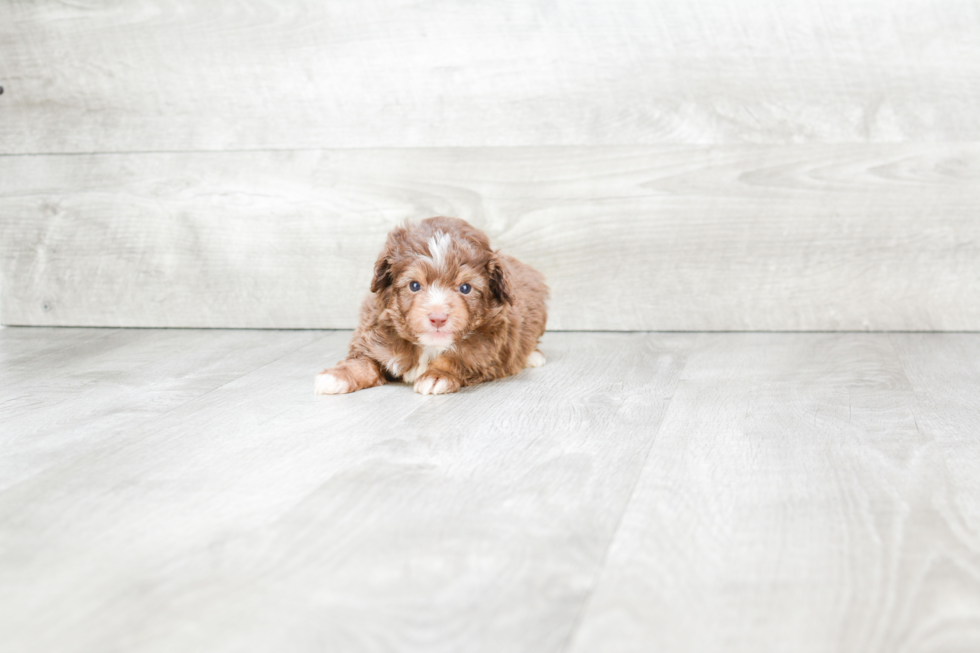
<point>415,286</point>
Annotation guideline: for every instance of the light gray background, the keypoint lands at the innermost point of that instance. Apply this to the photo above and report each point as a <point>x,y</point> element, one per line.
<point>671,165</point>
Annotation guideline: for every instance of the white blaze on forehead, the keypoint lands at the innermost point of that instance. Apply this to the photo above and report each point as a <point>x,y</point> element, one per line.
<point>438,249</point>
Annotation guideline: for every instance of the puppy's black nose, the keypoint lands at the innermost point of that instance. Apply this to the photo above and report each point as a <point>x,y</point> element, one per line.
<point>437,320</point>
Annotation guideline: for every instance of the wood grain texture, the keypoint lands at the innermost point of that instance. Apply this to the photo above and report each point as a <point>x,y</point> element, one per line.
<point>945,374</point>
<point>260,517</point>
<point>94,387</point>
<point>791,502</point>
<point>757,237</point>
<point>151,75</point>
<point>670,492</point>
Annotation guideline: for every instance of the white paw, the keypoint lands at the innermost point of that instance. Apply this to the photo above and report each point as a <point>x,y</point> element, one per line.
<point>432,386</point>
<point>328,384</point>
<point>535,359</point>
<point>412,374</point>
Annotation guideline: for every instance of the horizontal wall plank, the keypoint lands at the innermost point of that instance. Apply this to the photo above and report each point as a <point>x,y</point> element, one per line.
<point>753,237</point>
<point>245,74</point>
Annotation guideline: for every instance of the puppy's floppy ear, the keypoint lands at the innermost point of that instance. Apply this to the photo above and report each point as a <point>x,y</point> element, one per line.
<point>382,272</point>
<point>498,280</point>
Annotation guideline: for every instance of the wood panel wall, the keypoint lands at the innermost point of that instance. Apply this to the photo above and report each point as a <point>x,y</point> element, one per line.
<point>720,165</point>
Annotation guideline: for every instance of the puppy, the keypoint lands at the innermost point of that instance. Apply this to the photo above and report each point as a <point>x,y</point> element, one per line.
<point>445,311</point>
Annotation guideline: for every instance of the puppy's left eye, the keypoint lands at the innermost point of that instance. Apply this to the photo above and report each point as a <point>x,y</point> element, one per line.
<point>415,286</point>
<point>465,289</point>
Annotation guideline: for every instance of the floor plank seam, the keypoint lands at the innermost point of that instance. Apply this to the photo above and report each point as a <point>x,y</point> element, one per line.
<point>917,397</point>
<point>137,428</point>
<point>237,378</point>
<point>915,394</point>
<point>264,516</point>
<point>577,622</point>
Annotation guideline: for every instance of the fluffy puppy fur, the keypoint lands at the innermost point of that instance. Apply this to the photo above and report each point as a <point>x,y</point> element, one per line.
<point>445,311</point>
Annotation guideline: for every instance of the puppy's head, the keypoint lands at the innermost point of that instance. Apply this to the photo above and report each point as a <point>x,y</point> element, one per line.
<point>439,281</point>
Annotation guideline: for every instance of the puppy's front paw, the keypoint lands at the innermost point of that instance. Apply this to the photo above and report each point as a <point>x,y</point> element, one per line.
<point>535,359</point>
<point>328,384</point>
<point>436,384</point>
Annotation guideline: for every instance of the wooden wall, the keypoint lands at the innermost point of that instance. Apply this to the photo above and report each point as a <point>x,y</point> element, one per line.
<point>721,165</point>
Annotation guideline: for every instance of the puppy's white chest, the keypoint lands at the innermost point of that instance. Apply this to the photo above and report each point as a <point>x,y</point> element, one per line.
<point>428,355</point>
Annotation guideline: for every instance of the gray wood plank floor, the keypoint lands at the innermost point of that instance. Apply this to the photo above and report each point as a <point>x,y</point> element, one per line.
<point>168,490</point>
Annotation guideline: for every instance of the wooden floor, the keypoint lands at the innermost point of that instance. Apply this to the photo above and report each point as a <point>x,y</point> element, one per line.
<point>182,490</point>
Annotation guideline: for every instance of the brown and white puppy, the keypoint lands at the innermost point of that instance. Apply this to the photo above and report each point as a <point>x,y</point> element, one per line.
<point>445,310</point>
